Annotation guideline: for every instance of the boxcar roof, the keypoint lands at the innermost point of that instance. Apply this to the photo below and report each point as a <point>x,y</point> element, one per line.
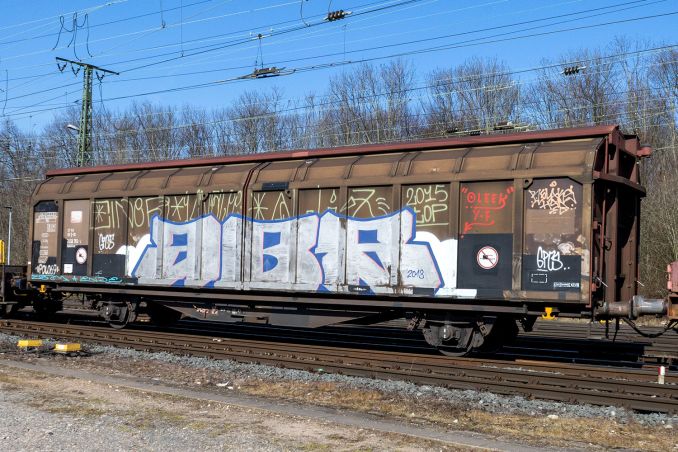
<point>456,142</point>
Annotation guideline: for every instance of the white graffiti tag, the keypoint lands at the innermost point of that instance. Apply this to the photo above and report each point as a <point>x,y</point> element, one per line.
<point>548,261</point>
<point>43,269</point>
<point>554,199</point>
<point>106,242</point>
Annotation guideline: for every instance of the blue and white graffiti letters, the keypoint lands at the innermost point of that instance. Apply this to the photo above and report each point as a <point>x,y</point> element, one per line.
<point>370,253</point>
<point>225,251</point>
<point>309,269</point>
<point>324,252</point>
<point>418,262</point>
<point>329,251</point>
<point>271,251</point>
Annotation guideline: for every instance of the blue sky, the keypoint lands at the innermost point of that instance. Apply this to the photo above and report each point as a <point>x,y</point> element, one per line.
<point>165,45</point>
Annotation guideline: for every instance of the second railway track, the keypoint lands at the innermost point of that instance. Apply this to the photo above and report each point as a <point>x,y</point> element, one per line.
<point>630,388</point>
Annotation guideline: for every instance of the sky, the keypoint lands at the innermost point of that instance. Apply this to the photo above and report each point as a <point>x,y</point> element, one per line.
<point>193,52</point>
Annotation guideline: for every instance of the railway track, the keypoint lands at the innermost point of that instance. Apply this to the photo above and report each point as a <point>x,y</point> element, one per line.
<point>575,342</point>
<point>589,341</point>
<point>630,388</point>
<point>583,343</point>
<point>553,341</point>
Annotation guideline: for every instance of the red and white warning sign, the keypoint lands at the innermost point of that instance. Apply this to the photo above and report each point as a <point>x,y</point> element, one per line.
<point>487,257</point>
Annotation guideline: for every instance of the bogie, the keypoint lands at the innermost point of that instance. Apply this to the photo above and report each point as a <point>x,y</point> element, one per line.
<point>461,337</point>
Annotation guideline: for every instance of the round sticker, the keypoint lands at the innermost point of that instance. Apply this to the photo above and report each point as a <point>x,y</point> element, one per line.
<point>81,255</point>
<point>487,257</point>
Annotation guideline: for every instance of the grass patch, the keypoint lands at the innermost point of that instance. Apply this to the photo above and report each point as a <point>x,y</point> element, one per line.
<point>537,430</point>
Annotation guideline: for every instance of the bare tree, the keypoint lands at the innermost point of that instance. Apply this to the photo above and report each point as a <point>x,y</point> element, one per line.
<point>194,134</point>
<point>255,123</point>
<point>369,105</point>
<point>659,126</point>
<point>476,95</point>
<point>21,166</point>
<point>586,97</point>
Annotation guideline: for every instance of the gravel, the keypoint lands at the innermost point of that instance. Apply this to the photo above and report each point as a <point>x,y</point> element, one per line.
<point>24,428</point>
<point>465,399</point>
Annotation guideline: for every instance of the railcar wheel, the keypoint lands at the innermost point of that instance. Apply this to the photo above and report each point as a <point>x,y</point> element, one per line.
<point>118,314</point>
<point>455,352</point>
<point>452,339</point>
<point>460,338</point>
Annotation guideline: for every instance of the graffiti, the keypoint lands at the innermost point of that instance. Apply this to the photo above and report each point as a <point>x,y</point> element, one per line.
<point>44,269</point>
<point>223,204</point>
<point>548,261</point>
<point>98,279</point>
<point>554,199</point>
<point>281,209</point>
<point>368,202</point>
<point>319,200</point>
<point>429,202</point>
<point>483,207</point>
<point>310,252</point>
<point>81,279</point>
<point>258,205</point>
<point>141,210</point>
<point>106,242</point>
<point>418,273</point>
<point>207,311</point>
<point>109,213</point>
<point>181,207</point>
<point>271,205</point>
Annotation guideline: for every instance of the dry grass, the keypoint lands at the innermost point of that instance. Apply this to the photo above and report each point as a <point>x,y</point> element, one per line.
<point>523,428</point>
<point>134,410</point>
<point>164,409</point>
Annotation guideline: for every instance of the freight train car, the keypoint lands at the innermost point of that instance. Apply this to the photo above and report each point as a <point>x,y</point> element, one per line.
<point>466,237</point>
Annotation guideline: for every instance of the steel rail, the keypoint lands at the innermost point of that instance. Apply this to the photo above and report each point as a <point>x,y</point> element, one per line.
<point>629,388</point>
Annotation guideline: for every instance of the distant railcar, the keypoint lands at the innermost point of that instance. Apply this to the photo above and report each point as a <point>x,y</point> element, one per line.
<point>466,237</point>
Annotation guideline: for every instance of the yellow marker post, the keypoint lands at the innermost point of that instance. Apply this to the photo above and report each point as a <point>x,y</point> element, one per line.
<point>67,347</point>
<point>2,252</point>
<point>548,314</point>
<point>29,343</point>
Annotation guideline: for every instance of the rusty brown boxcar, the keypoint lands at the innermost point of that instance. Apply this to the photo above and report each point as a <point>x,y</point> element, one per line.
<point>467,237</point>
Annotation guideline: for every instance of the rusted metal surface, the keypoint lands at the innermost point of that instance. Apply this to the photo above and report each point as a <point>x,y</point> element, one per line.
<point>672,286</point>
<point>541,217</point>
<point>524,137</point>
<point>672,277</point>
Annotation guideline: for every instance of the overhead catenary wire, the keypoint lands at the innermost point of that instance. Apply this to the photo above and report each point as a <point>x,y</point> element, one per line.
<point>311,68</point>
<point>507,72</point>
<point>469,78</point>
<point>508,25</point>
<point>306,69</point>
<point>244,40</point>
<point>636,1</point>
<point>327,103</point>
<point>378,8</point>
<point>207,49</point>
